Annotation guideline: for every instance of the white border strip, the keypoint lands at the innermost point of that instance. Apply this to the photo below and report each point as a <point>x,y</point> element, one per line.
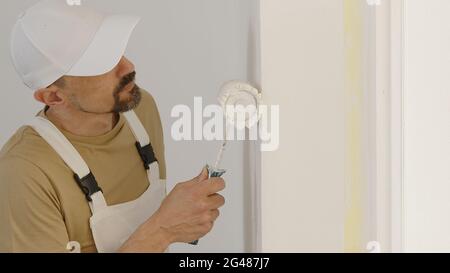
<point>382,121</point>
<point>397,123</point>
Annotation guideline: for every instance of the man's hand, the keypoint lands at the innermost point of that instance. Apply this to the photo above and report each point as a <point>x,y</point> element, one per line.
<point>186,214</point>
<point>189,211</point>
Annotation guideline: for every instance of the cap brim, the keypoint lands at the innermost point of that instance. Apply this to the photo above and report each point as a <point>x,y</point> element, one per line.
<point>107,47</point>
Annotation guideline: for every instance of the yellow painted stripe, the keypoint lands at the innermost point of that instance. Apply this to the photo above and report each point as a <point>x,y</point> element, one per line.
<point>353,32</point>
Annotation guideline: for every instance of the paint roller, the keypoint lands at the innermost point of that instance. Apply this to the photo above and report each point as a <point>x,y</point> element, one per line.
<point>240,103</point>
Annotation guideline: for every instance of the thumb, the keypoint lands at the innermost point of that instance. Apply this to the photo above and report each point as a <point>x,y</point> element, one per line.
<point>204,174</point>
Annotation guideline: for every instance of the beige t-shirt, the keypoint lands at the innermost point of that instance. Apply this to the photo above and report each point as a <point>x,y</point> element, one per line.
<point>42,208</point>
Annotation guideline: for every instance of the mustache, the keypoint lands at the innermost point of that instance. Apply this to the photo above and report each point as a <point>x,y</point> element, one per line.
<point>125,80</point>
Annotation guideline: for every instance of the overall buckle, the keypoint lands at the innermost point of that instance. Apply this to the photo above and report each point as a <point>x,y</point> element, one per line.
<point>147,154</point>
<point>88,185</point>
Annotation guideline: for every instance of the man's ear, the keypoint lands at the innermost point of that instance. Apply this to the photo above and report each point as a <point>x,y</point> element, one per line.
<point>51,95</point>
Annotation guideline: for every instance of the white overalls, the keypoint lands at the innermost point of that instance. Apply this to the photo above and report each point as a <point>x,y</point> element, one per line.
<point>111,225</point>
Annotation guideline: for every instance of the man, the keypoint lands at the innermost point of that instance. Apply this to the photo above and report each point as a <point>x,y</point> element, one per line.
<point>72,57</point>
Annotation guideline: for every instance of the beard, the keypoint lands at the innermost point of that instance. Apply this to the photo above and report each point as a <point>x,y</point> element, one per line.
<point>133,98</point>
<point>129,103</point>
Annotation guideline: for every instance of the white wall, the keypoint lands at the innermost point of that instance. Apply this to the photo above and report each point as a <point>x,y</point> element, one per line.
<point>181,49</point>
<point>18,104</point>
<point>302,63</point>
<point>427,126</point>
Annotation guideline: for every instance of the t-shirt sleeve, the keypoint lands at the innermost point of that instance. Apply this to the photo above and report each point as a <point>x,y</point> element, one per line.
<point>30,216</point>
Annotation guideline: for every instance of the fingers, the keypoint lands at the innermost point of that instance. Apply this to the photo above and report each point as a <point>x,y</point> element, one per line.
<point>203,175</point>
<point>215,213</point>
<point>203,229</point>
<point>208,216</point>
<point>215,201</point>
<point>213,185</point>
<point>208,227</point>
<point>198,231</point>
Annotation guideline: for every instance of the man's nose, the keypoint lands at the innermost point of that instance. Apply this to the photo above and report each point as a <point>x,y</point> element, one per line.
<point>125,67</point>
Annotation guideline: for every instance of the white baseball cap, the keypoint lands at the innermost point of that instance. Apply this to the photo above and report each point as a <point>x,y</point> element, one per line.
<point>52,39</point>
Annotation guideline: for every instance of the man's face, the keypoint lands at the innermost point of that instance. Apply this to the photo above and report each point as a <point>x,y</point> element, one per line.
<point>113,92</point>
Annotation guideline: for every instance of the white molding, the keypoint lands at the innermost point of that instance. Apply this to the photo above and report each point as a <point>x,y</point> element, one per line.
<point>397,125</point>
<point>369,124</point>
<point>382,121</point>
<point>255,146</point>
<point>389,63</point>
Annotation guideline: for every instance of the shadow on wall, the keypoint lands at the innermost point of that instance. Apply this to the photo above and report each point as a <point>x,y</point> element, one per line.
<point>251,152</point>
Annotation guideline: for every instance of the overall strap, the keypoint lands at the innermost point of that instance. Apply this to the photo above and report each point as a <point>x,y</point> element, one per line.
<point>143,144</point>
<point>82,174</point>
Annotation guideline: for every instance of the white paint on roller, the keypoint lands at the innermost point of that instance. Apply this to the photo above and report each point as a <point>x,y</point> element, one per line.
<point>233,97</point>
